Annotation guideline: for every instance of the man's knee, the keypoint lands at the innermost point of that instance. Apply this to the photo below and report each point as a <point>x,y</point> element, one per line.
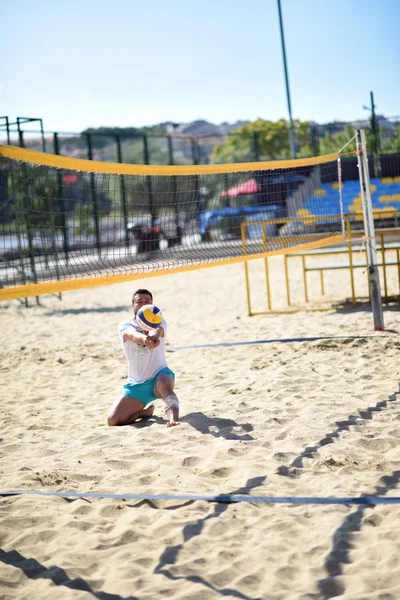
<point>164,385</point>
<point>112,421</point>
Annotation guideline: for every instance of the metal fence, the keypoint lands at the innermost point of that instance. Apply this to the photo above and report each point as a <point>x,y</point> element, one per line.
<point>182,149</point>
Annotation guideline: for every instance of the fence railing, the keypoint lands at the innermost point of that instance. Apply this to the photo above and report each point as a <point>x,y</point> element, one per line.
<point>177,149</point>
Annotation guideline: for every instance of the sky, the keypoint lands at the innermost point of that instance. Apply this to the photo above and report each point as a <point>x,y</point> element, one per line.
<point>87,63</point>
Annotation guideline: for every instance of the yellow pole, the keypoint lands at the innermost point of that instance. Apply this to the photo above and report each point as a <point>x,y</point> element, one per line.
<point>350,249</point>
<point>286,263</point>
<point>369,286</point>
<point>246,273</point>
<point>398,265</point>
<point>303,260</point>
<point>264,239</point>
<point>246,269</point>
<point>382,236</point>
<point>321,274</point>
<point>267,283</point>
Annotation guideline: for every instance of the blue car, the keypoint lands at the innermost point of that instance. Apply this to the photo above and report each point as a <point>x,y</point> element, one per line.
<point>224,223</point>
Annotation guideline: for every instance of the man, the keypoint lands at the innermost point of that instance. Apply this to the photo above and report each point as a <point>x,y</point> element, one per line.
<point>149,377</point>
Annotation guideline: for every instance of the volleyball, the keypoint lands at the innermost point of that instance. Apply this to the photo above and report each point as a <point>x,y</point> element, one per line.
<point>149,317</point>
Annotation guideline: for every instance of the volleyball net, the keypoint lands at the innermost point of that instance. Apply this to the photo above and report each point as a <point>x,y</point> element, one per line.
<point>68,223</point>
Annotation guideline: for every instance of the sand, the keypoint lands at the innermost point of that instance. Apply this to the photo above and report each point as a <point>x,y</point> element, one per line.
<point>310,409</point>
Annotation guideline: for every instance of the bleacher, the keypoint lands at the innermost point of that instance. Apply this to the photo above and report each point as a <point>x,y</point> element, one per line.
<point>385,195</point>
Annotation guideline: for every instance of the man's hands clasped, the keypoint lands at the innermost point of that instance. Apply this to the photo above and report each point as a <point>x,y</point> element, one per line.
<point>151,341</point>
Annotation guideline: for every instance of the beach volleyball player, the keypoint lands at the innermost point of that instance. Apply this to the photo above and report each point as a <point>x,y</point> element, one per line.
<point>149,377</point>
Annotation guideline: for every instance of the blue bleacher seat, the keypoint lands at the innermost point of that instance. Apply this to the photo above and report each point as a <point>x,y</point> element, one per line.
<point>318,205</point>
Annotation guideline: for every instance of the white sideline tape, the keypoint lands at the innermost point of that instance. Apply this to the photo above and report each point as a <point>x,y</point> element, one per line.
<point>283,340</point>
<point>222,498</point>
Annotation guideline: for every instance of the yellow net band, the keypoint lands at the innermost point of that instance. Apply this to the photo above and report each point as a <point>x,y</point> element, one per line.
<point>55,287</point>
<point>91,166</point>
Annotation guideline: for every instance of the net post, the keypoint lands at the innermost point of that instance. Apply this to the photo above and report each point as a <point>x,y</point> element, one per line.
<point>123,193</point>
<point>372,259</point>
<point>95,208</point>
<point>64,224</point>
<point>42,134</point>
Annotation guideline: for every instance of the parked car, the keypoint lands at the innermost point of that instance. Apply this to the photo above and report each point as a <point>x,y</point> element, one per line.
<point>225,223</point>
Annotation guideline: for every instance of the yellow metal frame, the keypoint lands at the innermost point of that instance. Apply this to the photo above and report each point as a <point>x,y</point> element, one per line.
<point>285,250</point>
<point>381,248</point>
<point>302,253</point>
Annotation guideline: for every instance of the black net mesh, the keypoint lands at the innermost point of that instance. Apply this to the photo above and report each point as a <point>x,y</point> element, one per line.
<point>58,224</point>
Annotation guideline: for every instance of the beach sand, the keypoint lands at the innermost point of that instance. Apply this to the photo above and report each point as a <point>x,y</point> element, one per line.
<point>310,409</point>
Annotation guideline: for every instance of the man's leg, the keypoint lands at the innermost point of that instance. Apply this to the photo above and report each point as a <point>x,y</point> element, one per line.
<point>127,410</point>
<point>164,389</point>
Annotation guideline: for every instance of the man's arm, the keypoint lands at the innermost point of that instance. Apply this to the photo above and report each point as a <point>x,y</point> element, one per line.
<point>136,337</point>
<point>156,334</point>
<point>152,340</point>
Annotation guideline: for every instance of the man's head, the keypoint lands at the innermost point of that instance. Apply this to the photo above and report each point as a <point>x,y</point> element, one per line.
<point>140,298</point>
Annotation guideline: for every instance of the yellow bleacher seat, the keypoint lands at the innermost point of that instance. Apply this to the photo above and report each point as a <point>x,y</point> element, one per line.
<point>389,198</point>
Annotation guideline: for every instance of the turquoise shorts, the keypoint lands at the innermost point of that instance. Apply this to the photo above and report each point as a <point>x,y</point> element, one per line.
<point>144,392</point>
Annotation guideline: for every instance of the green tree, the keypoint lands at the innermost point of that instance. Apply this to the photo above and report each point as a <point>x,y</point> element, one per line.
<point>102,136</point>
<point>263,140</point>
<point>392,143</point>
<point>34,191</point>
<point>335,142</point>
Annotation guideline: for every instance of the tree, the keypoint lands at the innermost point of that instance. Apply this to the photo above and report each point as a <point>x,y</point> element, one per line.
<point>103,136</point>
<point>392,143</point>
<point>335,142</point>
<point>263,140</point>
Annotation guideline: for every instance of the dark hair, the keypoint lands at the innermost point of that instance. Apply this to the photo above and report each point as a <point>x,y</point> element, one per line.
<point>142,291</point>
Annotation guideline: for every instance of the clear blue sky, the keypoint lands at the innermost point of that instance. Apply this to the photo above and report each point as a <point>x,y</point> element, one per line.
<point>89,63</point>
